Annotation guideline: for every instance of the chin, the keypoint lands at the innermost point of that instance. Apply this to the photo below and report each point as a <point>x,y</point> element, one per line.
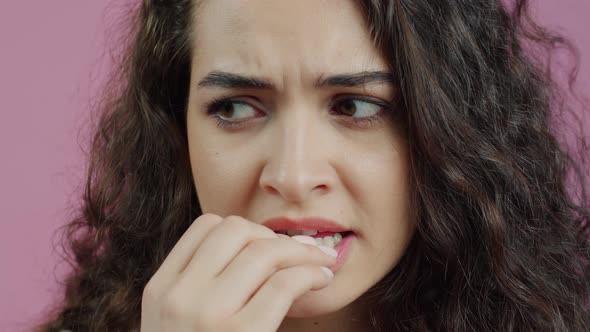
<point>316,303</point>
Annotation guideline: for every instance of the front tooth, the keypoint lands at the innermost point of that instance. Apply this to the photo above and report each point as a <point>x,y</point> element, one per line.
<point>310,232</point>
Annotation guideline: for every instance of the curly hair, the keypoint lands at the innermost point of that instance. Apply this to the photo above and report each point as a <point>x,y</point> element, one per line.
<point>500,244</point>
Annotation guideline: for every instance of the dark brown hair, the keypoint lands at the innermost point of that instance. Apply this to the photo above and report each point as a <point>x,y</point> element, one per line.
<point>500,244</point>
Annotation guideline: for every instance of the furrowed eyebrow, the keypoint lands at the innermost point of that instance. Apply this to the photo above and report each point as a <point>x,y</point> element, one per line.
<point>356,79</point>
<point>229,80</point>
<point>236,81</point>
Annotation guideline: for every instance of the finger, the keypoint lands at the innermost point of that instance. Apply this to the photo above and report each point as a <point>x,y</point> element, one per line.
<point>223,244</point>
<point>256,263</point>
<point>184,249</point>
<point>271,303</point>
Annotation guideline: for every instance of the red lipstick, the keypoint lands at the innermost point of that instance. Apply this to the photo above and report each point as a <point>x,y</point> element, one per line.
<point>319,224</point>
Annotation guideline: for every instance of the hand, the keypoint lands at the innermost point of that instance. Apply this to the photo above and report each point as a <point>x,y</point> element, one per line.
<point>230,274</point>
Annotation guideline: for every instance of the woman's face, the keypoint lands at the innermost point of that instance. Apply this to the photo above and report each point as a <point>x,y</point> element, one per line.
<point>299,149</point>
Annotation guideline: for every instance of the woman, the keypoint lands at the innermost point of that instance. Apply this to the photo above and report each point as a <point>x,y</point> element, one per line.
<point>417,130</point>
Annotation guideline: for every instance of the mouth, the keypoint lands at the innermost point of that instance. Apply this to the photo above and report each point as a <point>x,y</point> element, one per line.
<point>324,238</point>
<point>326,232</point>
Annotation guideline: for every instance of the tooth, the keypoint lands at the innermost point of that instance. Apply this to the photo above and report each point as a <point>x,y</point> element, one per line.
<point>294,232</point>
<point>319,241</point>
<point>310,232</point>
<point>328,241</point>
<point>338,237</point>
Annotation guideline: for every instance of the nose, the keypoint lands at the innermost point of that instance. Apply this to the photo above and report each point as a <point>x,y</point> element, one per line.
<point>297,163</point>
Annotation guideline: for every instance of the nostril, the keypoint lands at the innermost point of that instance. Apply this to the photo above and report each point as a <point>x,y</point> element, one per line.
<point>322,187</point>
<point>271,189</point>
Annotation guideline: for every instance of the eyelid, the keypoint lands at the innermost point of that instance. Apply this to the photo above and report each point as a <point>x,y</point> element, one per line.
<point>210,107</point>
<point>364,98</point>
<point>247,100</point>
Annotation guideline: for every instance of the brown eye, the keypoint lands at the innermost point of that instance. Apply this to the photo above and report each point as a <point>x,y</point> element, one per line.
<point>232,113</point>
<point>348,107</point>
<point>359,107</point>
<point>228,109</point>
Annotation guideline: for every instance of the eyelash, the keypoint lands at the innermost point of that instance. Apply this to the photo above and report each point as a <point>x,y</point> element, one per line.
<point>364,122</point>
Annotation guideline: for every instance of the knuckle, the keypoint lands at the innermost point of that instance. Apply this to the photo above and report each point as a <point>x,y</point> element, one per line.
<point>237,223</point>
<point>261,248</point>
<point>282,281</point>
<point>174,308</point>
<point>209,218</point>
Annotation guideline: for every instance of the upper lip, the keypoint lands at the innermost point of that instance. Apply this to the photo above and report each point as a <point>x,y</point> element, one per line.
<point>312,223</point>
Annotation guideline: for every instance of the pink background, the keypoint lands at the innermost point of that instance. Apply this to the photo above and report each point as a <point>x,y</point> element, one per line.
<point>52,60</point>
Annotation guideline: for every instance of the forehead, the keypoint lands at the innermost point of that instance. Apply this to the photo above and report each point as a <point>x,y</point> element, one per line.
<point>283,37</point>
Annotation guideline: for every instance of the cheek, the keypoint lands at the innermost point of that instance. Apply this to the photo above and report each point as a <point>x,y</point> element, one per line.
<point>383,178</point>
<point>385,183</point>
<point>221,179</point>
<point>206,165</point>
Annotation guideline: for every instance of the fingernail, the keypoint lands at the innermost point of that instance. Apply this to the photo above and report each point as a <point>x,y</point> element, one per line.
<point>329,251</point>
<point>328,271</point>
<point>304,239</point>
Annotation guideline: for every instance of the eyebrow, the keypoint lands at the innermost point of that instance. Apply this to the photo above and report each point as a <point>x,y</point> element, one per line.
<point>231,80</point>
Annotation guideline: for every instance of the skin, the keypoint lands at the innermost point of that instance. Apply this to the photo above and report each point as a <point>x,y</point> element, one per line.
<point>295,155</point>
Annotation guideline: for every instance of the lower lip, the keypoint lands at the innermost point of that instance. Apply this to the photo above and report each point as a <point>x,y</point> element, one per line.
<point>342,248</point>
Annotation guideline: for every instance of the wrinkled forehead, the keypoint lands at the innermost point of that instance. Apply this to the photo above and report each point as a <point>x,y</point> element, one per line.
<point>283,38</point>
